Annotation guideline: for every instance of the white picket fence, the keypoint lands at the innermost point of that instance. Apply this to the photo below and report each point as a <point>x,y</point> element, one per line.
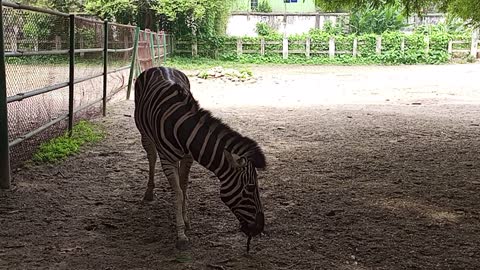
<point>332,51</point>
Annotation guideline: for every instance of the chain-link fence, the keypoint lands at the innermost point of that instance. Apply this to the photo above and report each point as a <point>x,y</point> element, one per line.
<point>46,92</point>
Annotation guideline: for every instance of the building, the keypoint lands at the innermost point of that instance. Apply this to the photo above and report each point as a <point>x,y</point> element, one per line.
<point>287,17</point>
<point>278,6</point>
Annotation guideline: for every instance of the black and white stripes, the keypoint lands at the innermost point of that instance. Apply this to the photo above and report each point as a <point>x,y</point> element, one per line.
<point>173,125</point>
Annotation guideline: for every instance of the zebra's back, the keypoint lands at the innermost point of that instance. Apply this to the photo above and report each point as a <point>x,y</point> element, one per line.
<point>162,98</point>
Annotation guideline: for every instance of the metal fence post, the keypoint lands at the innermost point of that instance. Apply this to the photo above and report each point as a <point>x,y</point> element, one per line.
<point>105,66</point>
<point>165,50</point>
<point>71,77</point>
<point>4,150</point>
<point>152,48</point>
<point>134,60</point>
<point>157,35</point>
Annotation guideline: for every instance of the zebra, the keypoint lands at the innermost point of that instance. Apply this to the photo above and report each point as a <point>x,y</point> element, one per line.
<point>172,124</point>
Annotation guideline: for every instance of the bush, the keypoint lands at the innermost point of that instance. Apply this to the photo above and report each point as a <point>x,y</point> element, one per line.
<point>416,48</point>
<point>367,19</point>
<point>263,29</point>
<point>264,6</point>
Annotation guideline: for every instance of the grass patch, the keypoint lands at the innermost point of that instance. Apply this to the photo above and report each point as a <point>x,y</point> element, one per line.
<point>60,148</point>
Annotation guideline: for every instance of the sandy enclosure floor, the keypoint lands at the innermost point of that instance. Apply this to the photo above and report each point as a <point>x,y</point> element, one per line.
<point>369,168</point>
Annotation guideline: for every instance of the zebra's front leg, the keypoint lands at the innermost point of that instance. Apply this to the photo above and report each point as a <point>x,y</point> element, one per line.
<point>171,172</point>
<point>184,171</point>
<point>152,160</point>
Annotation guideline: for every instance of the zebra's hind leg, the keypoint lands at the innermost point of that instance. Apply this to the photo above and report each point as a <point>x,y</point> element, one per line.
<point>185,165</point>
<point>152,159</point>
<point>171,171</point>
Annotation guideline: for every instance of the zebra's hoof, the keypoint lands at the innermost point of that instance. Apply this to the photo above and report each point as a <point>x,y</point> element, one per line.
<point>182,244</point>
<point>187,226</point>
<point>148,197</point>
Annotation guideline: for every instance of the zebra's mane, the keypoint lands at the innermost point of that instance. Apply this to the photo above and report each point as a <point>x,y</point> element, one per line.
<point>252,152</point>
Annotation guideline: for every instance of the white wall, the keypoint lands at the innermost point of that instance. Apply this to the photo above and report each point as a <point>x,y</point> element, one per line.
<point>245,24</point>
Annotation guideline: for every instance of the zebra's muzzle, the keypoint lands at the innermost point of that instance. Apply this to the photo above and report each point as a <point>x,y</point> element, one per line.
<point>254,229</point>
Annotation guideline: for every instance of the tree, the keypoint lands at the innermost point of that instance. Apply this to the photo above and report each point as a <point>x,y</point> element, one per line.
<point>468,10</point>
<point>204,17</point>
<point>465,9</point>
<point>122,10</point>
<point>60,5</point>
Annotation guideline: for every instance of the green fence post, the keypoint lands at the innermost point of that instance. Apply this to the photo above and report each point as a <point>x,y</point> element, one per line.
<point>165,51</point>
<point>158,49</point>
<point>71,76</point>
<point>105,65</point>
<point>134,60</point>
<point>152,48</point>
<point>4,149</point>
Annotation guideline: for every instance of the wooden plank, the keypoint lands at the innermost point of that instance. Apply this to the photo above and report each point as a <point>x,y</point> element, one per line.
<point>427,45</point>
<point>297,51</point>
<point>460,51</point>
<point>273,42</point>
<point>285,48</point>
<point>195,49</point>
<point>474,46</point>
<point>355,47</point>
<point>378,47</point>
<point>320,52</point>
<point>262,47</point>
<point>331,48</point>
<point>402,45</point>
<point>307,47</point>
<point>239,46</point>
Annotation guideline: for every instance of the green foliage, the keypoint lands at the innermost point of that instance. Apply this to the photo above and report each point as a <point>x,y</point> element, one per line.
<point>471,59</point>
<point>61,147</point>
<point>87,35</point>
<point>369,19</point>
<point>465,9</point>
<point>425,45</point>
<point>468,10</point>
<point>330,28</point>
<point>264,6</point>
<point>38,26</point>
<point>263,29</point>
<point>124,11</point>
<point>60,5</point>
<point>195,18</point>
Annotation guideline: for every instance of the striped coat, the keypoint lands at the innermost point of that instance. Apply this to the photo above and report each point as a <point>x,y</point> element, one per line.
<point>172,124</point>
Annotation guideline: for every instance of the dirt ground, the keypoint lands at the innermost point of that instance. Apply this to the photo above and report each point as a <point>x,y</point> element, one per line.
<point>369,168</point>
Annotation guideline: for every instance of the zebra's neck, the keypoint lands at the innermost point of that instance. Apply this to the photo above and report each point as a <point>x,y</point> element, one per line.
<point>208,140</point>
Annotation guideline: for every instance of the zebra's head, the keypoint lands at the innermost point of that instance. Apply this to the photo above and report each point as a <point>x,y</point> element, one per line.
<point>240,191</point>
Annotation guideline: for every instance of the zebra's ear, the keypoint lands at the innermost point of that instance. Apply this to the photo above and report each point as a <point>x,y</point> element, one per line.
<point>234,159</point>
<point>178,88</point>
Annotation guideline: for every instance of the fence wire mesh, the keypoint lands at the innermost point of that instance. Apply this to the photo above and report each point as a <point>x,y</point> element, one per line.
<point>27,32</point>
<point>36,49</point>
<point>120,43</point>
<point>88,36</point>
